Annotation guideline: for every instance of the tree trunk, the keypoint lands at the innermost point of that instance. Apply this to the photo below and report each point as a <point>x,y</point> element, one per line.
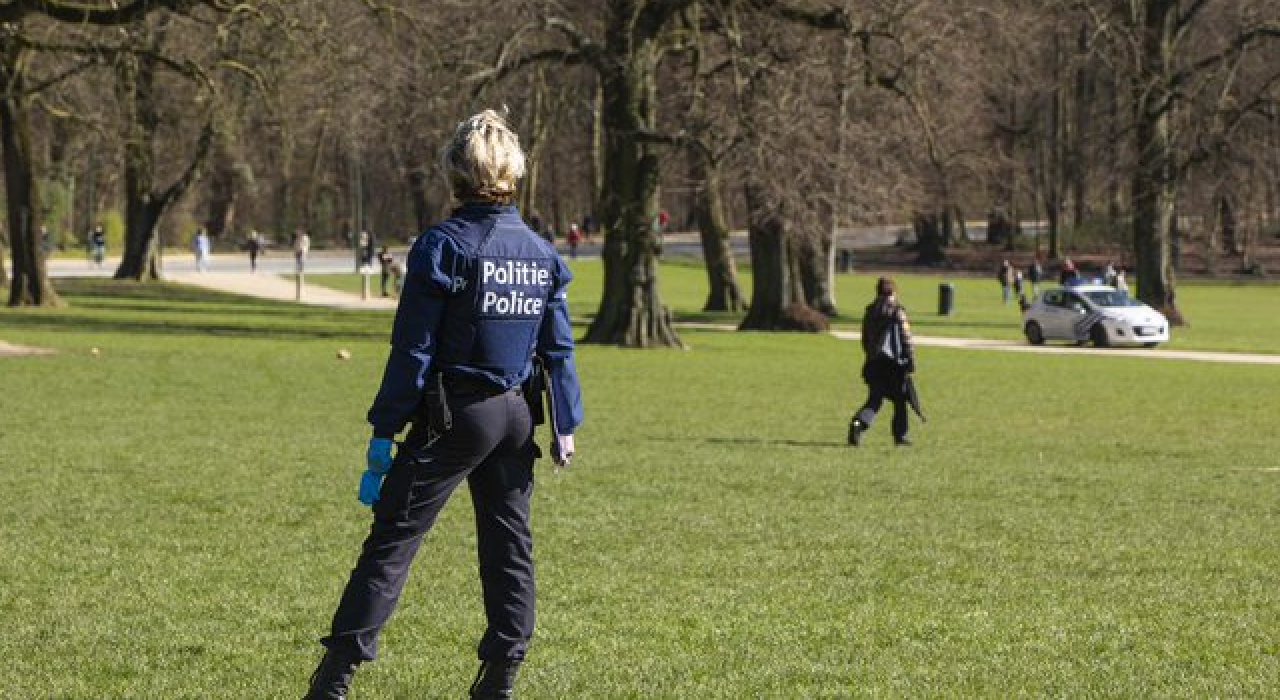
<point>929,248</point>
<point>1082,99</point>
<point>1115,134</point>
<point>814,262</point>
<point>1155,184</point>
<point>1005,188</point>
<point>723,294</point>
<point>631,312</point>
<point>597,151</point>
<point>141,259</point>
<point>144,203</point>
<point>141,256</point>
<point>29,285</point>
<point>1154,195</point>
<point>1222,235</point>
<point>536,137</point>
<point>220,218</point>
<point>422,213</point>
<point>777,301</point>
<point>1054,165</point>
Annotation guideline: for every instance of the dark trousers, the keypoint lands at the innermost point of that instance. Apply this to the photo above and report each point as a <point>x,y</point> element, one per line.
<point>491,447</point>
<point>884,384</point>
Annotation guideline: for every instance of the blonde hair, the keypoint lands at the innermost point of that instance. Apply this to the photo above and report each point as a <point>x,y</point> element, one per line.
<point>483,160</point>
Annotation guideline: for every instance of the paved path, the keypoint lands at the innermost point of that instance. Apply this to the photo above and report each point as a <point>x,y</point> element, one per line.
<point>1008,346</point>
<point>1159,353</point>
<point>230,273</point>
<point>268,286</point>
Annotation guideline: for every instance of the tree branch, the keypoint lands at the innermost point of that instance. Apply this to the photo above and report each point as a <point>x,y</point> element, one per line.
<point>189,176</point>
<point>1184,20</point>
<point>831,18</point>
<point>1269,30</point>
<point>583,51</point>
<point>100,13</point>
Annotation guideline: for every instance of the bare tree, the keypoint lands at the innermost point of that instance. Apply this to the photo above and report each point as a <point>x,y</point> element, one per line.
<point>710,136</point>
<point>30,285</point>
<point>139,82</point>
<point>626,58</point>
<point>1169,52</point>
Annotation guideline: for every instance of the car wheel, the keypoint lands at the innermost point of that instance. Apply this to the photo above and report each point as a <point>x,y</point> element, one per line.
<point>1098,335</point>
<point>1035,335</point>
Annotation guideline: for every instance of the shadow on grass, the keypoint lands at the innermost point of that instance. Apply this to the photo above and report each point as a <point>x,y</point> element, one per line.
<point>771,442</point>
<point>169,326</point>
<point>158,308</point>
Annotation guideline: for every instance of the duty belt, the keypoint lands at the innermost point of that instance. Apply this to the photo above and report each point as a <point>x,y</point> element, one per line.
<point>462,384</point>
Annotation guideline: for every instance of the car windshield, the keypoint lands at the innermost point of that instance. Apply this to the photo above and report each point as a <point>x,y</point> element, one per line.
<point>1111,298</point>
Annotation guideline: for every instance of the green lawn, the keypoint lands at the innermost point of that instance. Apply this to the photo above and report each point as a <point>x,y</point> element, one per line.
<point>1222,316</point>
<point>180,515</point>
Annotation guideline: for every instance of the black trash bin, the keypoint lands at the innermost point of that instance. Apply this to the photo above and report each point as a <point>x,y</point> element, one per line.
<point>946,298</point>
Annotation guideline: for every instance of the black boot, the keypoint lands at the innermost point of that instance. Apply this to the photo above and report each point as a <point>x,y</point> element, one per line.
<point>496,680</point>
<point>855,432</point>
<point>332,678</point>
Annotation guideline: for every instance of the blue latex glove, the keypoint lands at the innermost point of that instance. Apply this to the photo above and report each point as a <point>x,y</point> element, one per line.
<point>379,462</point>
<point>370,487</point>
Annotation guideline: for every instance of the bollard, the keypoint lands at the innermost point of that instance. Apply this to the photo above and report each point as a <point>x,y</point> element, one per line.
<point>364,283</point>
<point>297,292</point>
<point>946,298</point>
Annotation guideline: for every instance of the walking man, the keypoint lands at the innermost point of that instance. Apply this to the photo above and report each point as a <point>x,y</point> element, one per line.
<point>890,361</point>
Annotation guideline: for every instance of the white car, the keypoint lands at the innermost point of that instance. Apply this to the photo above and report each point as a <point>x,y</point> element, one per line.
<point>1093,313</point>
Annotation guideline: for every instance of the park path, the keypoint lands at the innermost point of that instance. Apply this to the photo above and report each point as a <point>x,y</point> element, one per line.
<point>268,286</point>
<point>1157,353</point>
<point>1009,346</point>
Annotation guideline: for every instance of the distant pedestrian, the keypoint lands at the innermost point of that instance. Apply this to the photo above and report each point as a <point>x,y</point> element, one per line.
<point>97,245</point>
<point>386,261</point>
<point>301,248</point>
<point>1068,274</point>
<point>201,248</point>
<point>1005,276</point>
<point>46,242</point>
<point>367,243</point>
<point>254,246</point>
<point>1121,284</point>
<point>1035,273</point>
<point>889,364</point>
<point>575,240</point>
<point>1109,274</point>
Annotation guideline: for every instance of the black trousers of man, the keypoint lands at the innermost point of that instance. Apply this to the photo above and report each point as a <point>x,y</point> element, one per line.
<point>885,382</point>
<point>491,447</point>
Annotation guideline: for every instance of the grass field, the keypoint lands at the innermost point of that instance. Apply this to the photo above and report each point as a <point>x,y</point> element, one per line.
<point>179,514</point>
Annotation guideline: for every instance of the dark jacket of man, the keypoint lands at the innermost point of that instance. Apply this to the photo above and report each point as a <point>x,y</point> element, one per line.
<point>886,341</point>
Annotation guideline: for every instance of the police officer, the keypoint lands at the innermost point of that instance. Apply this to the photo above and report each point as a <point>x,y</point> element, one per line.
<point>890,360</point>
<point>482,297</point>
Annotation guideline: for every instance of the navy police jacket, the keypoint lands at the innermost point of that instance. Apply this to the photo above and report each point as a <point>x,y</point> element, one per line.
<point>482,294</point>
